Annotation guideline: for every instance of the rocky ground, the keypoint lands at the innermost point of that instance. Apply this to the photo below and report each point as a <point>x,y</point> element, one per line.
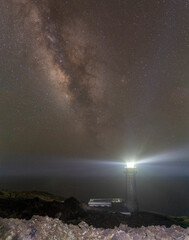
<point>72,211</point>
<point>42,217</point>
<point>45,228</point>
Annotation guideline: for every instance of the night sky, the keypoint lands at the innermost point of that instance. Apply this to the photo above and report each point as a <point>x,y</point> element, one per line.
<point>86,84</point>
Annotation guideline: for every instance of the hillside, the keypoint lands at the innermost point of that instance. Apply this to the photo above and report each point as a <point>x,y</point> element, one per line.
<point>5,194</point>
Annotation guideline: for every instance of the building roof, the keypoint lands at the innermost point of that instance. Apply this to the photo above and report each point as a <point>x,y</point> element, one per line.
<point>110,204</point>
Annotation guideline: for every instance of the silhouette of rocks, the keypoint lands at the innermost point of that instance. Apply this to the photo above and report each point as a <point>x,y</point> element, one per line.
<point>72,210</point>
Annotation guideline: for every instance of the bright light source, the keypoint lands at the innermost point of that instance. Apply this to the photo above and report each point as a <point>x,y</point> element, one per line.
<point>130,164</point>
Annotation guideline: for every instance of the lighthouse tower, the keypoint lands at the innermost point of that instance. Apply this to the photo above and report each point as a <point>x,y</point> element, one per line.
<point>131,194</point>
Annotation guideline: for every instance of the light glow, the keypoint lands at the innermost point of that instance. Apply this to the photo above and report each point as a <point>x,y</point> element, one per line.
<point>130,164</point>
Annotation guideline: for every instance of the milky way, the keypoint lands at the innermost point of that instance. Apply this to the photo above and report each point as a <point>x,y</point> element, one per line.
<point>87,84</point>
<point>96,78</point>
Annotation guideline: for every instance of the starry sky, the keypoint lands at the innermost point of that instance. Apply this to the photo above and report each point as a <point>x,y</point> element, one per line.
<point>98,79</point>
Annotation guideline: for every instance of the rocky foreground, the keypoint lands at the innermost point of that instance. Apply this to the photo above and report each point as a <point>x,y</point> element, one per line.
<point>46,228</point>
<point>40,216</point>
<point>71,211</point>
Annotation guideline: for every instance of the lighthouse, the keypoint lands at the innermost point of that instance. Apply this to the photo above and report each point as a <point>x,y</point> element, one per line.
<point>131,194</point>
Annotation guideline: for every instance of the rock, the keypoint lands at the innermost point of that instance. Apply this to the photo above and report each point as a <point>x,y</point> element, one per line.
<point>43,228</point>
<point>123,227</point>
